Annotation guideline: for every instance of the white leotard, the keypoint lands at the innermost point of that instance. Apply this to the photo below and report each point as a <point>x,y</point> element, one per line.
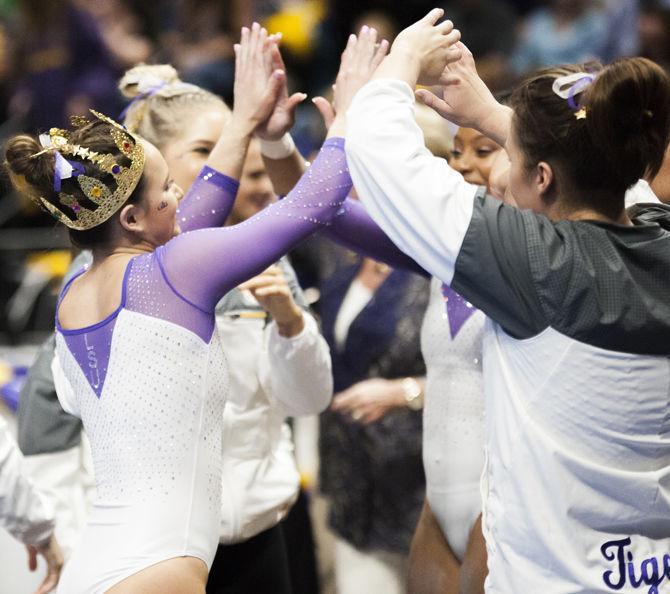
<point>156,441</point>
<point>453,419</point>
<point>149,381</point>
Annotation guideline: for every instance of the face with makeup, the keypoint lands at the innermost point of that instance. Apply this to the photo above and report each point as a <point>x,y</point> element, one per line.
<point>187,152</point>
<point>473,156</point>
<point>154,218</point>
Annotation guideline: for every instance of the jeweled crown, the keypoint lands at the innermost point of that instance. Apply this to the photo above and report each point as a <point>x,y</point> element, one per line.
<point>107,201</point>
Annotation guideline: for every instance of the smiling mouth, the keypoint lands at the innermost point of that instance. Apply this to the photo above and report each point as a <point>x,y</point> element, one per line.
<point>262,201</point>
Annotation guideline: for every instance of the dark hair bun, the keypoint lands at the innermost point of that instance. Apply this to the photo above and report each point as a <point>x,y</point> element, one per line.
<point>629,117</point>
<point>31,170</point>
<point>29,174</point>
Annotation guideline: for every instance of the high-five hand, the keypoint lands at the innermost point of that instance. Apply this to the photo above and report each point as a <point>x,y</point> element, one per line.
<point>360,59</point>
<point>256,91</point>
<point>282,118</point>
<point>467,100</point>
<point>421,52</point>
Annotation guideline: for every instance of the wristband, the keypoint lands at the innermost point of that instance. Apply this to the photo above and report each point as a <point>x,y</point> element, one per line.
<point>278,149</point>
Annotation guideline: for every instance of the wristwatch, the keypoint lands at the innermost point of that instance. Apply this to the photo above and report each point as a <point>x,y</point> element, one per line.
<point>413,393</point>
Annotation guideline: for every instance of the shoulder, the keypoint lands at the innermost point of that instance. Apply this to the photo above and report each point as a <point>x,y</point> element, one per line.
<point>606,284</point>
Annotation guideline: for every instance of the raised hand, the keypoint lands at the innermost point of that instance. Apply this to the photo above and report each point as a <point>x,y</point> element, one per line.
<point>272,291</point>
<point>256,91</point>
<point>360,59</point>
<point>421,51</point>
<point>282,118</point>
<point>466,100</point>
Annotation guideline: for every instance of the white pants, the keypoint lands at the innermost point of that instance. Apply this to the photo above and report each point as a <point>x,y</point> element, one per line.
<point>369,572</point>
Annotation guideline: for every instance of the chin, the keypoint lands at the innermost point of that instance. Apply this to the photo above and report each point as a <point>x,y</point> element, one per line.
<point>177,230</point>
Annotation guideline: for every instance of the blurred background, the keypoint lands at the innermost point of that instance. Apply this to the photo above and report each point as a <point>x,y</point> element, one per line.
<point>60,57</point>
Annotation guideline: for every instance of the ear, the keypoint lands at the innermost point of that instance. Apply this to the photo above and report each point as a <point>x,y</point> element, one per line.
<point>544,180</point>
<point>131,218</point>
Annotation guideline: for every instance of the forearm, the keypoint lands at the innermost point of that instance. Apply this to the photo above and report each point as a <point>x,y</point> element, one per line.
<point>208,201</point>
<point>210,198</point>
<point>400,64</point>
<point>433,567</point>
<point>422,204</point>
<point>397,393</point>
<point>299,370</point>
<point>63,480</point>
<point>355,229</point>
<point>250,247</point>
<point>352,227</point>
<point>497,124</point>
<point>230,151</point>
<point>285,172</point>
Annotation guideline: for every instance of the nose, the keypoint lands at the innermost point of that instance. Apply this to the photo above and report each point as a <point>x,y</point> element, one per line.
<point>178,192</point>
<point>463,163</point>
<point>265,186</point>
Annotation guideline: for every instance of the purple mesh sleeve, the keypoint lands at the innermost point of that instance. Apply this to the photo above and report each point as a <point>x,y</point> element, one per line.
<point>208,201</point>
<point>354,228</point>
<point>204,265</point>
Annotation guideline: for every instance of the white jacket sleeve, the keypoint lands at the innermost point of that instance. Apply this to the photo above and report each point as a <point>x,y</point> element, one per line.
<point>423,205</point>
<point>67,483</point>
<point>298,370</point>
<point>24,512</point>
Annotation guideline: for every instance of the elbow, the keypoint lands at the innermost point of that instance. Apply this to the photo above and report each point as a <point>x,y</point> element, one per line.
<point>324,396</point>
<point>310,399</point>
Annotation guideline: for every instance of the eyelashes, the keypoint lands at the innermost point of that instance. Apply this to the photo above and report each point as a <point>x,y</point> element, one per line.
<point>163,205</point>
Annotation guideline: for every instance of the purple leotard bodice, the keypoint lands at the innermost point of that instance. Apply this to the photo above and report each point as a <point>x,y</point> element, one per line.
<point>182,281</point>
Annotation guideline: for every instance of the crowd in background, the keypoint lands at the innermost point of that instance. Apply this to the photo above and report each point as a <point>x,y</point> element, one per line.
<point>60,57</point>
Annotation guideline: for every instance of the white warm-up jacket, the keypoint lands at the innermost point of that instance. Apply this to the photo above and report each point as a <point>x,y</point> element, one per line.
<point>271,377</point>
<point>24,512</point>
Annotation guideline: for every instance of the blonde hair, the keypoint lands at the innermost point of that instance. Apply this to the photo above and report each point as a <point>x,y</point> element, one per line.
<point>438,133</point>
<point>160,102</point>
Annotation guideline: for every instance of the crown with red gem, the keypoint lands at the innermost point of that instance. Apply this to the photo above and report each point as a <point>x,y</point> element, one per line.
<point>107,202</point>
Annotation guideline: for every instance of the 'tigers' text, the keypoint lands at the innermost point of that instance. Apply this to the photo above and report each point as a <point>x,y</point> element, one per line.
<point>628,570</point>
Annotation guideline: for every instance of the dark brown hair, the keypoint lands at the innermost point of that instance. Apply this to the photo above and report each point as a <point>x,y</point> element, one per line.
<point>35,176</point>
<point>622,138</point>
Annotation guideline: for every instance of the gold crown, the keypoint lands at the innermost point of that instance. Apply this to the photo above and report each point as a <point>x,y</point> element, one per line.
<point>96,191</point>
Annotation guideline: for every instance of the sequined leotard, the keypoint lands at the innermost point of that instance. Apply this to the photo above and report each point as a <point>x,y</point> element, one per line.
<point>453,416</point>
<point>148,381</point>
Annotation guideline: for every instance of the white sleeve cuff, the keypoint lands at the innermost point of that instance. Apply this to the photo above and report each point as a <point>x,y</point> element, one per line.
<point>278,149</point>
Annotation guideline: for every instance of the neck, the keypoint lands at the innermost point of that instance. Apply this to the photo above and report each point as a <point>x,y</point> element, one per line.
<point>560,211</point>
<point>121,251</point>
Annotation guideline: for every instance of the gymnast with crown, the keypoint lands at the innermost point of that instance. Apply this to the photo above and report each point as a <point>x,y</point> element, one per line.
<point>138,356</point>
<point>574,286</point>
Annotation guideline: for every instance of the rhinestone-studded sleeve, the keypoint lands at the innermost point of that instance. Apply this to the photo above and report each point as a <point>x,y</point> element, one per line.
<point>354,228</point>
<point>204,265</point>
<point>208,201</point>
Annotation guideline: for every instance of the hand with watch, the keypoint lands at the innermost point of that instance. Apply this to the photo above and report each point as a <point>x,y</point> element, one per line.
<point>413,390</point>
<point>370,400</point>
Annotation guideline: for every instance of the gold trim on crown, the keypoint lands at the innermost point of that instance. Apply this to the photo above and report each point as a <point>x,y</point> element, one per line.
<point>95,190</point>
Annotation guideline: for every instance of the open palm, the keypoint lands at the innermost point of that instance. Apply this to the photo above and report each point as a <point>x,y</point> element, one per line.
<point>283,116</point>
